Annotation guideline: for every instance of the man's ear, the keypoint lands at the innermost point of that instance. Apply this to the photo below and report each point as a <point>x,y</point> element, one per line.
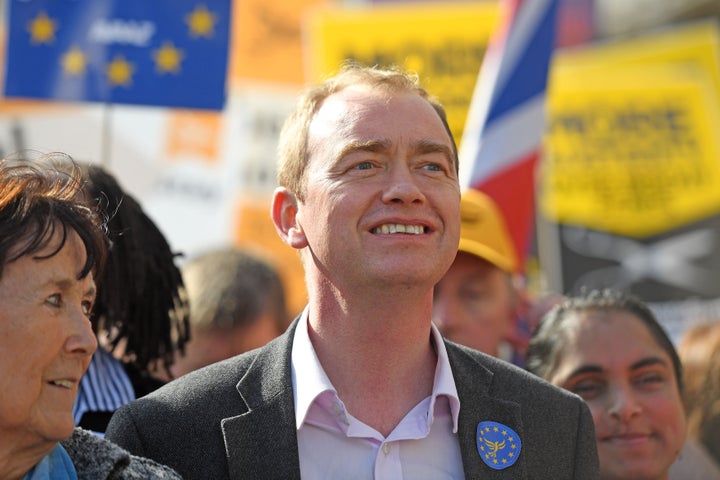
<point>284,215</point>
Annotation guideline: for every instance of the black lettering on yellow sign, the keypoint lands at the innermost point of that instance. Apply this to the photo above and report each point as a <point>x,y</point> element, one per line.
<point>631,120</point>
<point>448,70</point>
<point>636,159</point>
<point>447,58</point>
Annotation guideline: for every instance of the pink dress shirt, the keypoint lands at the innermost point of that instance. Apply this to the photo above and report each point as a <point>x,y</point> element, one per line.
<point>333,444</point>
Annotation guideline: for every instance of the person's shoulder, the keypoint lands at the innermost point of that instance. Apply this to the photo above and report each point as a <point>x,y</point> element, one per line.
<point>214,383</point>
<point>208,381</point>
<point>97,458</point>
<point>210,390</point>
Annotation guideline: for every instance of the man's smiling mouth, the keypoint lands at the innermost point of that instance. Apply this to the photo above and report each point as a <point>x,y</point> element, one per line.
<point>399,228</point>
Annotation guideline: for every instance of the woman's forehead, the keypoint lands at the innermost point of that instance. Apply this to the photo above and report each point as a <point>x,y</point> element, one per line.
<point>606,336</point>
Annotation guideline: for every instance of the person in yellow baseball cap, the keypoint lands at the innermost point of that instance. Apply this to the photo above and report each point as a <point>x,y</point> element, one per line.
<point>475,303</point>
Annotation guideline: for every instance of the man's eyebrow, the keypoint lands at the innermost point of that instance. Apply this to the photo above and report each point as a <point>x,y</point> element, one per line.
<point>419,147</point>
<point>363,146</point>
<point>430,146</point>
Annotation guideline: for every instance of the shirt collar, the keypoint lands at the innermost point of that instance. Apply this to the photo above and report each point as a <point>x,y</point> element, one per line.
<point>305,365</point>
<point>444,383</point>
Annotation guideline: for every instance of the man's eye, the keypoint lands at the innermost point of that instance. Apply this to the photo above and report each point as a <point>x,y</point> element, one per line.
<point>364,166</point>
<point>434,167</point>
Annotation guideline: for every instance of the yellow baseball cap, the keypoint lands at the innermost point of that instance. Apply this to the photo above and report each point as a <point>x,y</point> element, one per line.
<point>483,231</point>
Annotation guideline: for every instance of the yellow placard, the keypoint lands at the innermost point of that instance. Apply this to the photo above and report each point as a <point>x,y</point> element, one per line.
<point>632,149</point>
<point>444,43</point>
<point>696,43</point>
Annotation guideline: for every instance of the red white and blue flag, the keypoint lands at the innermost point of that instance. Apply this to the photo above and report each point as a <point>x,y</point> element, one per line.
<point>502,139</point>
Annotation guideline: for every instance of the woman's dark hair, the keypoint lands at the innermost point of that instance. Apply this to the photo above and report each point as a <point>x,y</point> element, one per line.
<point>551,334</point>
<point>141,301</point>
<point>38,197</point>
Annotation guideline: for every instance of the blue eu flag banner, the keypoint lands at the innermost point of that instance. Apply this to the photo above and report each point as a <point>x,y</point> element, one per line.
<point>147,52</point>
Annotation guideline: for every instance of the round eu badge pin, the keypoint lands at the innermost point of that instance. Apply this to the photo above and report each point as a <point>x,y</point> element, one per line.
<point>498,445</point>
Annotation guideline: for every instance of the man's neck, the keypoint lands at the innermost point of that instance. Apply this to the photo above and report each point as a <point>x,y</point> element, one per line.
<point>377,354</point>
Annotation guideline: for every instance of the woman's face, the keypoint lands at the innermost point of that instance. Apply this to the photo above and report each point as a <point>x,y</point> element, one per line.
<point>46,342</point>
<point>627,380</point>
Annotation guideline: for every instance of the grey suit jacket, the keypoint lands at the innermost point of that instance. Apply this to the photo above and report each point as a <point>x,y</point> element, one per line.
<point>236,419</point>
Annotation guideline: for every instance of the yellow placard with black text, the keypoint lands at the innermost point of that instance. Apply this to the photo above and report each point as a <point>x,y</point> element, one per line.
<point>443,42</point>
<point>633,151</point>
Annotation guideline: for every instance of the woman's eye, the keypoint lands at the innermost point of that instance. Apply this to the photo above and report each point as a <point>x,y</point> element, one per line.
<point>650,379</point>
<point>54,300</point>
<point>586,390</point>
<point>87,308</point>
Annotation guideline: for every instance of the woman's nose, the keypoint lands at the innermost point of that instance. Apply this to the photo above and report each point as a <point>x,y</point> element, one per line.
<point>81,338</point>
<point>623,403</point>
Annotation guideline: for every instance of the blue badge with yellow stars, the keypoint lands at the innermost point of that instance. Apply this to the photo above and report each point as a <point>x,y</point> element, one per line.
<point>498,445</point>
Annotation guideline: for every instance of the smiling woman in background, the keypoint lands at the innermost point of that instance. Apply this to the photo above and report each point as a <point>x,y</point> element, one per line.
<point>52,247</point>
<point>608,348</point>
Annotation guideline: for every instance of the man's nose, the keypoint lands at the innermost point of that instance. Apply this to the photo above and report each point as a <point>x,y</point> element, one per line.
<point>402,185</point>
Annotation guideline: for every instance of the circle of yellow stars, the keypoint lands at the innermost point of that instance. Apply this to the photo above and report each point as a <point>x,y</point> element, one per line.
<point>119,72</point>
<point>492,455</point>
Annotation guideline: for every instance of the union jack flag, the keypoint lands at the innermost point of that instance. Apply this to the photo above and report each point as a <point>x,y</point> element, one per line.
<point>502,139</point>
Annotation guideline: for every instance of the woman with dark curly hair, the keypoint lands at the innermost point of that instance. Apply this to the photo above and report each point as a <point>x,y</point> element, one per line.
<point>141,314</point>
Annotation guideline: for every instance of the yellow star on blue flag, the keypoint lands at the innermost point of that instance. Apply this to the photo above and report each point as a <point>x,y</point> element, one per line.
<point>201,22</point>
<point>74,62</point>
<point>168,58</point>
<point>42,28</point>
<point>119,72</point>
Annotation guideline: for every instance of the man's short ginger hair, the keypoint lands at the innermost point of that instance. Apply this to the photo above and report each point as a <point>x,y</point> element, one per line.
<point>293,154</point>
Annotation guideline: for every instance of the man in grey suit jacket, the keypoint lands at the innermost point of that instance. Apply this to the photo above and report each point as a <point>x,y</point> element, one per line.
<point>362,385</point>
<point>235,419</point>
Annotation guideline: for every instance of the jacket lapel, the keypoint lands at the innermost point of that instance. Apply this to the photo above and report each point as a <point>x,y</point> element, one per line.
<point>473,381</point>
<point>262,443</point>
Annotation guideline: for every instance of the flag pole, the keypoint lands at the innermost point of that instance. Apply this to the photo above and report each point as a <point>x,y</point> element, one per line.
<point>106,136</point>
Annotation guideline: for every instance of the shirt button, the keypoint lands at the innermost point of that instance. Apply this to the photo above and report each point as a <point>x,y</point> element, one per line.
<point>386,448</point>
